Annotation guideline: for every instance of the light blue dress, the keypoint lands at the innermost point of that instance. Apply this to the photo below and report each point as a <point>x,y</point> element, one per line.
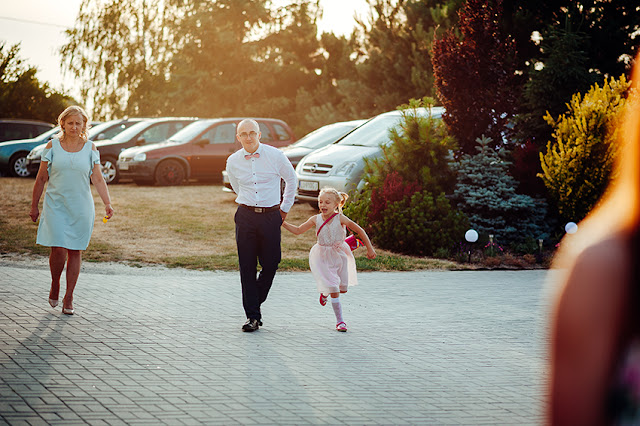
<point>68,212</point>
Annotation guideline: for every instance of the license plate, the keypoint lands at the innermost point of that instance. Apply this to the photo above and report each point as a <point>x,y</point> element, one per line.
<point>124,166</point>
<point>308,186</point>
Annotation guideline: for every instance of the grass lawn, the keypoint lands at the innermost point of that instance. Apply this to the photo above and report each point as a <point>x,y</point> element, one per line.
<point>187,226</point>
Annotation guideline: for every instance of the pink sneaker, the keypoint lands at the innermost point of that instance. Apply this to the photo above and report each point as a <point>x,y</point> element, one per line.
<point>341,326</point>
<point>323,299</point>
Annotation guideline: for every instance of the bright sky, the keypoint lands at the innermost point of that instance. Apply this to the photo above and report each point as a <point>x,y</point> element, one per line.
<point>39,26</point>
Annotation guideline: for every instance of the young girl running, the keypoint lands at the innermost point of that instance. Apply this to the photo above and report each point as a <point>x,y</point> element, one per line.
<point>331,261</point>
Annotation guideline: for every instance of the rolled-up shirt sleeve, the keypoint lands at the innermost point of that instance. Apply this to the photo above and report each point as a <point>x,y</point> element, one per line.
<point>233,180</point>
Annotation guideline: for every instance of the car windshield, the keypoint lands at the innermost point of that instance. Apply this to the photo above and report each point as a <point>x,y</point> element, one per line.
<point>46,135</point>
<point>373,133</point>
<point>190,131</point>
<point>322,136</point>
<point>95,130</point>
<point>128,134</point>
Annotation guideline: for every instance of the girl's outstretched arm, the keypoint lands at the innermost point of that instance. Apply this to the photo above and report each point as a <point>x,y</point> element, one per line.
<point>371,252</point>
<point>299,229</point>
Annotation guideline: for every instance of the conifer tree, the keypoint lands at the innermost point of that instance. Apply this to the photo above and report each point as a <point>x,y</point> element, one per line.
<point>485,192</point>
<point>578,164</point>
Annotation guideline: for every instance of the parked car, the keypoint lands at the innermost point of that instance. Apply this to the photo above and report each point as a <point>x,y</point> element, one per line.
<point>97,132</point>
<point>199,151</point>
<point>341,165</point>
<point>16,129</point>
<point>318,138</point>
<point>143,134</point>
<point>13,154</point>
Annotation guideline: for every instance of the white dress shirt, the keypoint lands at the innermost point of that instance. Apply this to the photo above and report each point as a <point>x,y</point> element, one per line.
<point>257,180</point>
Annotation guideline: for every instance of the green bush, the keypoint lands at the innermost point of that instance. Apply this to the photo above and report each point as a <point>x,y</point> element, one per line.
<point>442,253</point>
<point>419,225</point>
<point>403,205</point>
<point>578,164</point>
<point>419,152</point>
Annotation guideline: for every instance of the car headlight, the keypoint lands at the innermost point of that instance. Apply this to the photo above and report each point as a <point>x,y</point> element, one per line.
<point>140,157</point>
<point>346,169</point>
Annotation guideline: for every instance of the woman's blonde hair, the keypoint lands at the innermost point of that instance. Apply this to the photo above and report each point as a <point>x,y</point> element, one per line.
<point>69,111</point>
<point>341,197</point>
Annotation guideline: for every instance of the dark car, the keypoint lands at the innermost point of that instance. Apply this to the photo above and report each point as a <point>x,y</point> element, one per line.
<point>97,132</point>
<point>199,151</point>
<point>144,133</point>
<point>14,129</point>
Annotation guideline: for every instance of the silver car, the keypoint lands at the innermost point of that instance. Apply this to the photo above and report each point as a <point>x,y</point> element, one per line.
<point>341,165</point>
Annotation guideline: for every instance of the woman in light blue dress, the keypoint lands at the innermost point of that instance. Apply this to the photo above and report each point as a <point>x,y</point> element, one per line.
<point>69,161</point>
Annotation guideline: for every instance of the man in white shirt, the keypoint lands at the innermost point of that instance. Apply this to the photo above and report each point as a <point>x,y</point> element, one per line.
<point>255,173</point>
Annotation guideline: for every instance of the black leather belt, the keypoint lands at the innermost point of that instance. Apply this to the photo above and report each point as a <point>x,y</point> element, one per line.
<point>261,209</point>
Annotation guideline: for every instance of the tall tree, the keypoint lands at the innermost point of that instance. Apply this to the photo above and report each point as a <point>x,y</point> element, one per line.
<point>21,94</point>
<point>565,71</point>
<point>114,46</point>
<point>396,49</point>
<point>475,75</point>
<point>203,58</point>
<point>582,42</point>
<point>384,63</point>
<point>610,27</point>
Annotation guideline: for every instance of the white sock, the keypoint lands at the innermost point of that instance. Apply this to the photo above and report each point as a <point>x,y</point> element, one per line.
<point>337,308</point>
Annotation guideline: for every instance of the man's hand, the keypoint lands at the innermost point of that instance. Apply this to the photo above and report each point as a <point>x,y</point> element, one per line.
<point>283,215</point>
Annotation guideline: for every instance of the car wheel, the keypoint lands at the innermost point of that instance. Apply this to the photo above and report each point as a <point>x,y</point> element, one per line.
<point>169,172</point>
<point>18,165</point>
<point>109,170</point>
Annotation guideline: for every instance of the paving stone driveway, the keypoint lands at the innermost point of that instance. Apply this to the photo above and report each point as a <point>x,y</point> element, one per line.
<point>150,346</point>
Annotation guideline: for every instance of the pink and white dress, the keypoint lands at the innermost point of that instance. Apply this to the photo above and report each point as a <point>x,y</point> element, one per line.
<point>330,259</point>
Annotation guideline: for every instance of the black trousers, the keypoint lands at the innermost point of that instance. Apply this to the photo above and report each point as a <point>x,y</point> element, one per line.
<point>258,240</point>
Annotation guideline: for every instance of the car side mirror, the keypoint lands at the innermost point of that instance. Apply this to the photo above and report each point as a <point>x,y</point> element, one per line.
<point>100,137</point>
<point>202,142</point>
<point>140,141</point>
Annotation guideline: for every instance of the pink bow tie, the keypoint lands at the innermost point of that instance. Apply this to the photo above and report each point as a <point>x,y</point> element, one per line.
<point>254,155</point>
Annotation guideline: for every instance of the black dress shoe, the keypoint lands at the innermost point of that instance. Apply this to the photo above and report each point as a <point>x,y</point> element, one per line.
<point>251,325</point>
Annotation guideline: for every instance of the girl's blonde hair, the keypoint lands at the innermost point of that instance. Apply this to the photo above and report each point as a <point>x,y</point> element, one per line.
<point>341,197</point>
<point>74,110</point>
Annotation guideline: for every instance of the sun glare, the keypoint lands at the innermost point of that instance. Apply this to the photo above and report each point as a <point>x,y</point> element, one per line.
<point>338,16</point>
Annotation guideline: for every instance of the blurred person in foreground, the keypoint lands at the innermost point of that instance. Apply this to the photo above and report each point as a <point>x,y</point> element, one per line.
<point>69,161</point>
<point>595,330</point>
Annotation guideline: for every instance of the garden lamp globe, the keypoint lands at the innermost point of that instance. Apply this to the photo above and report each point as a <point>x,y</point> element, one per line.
<point>571,228</point>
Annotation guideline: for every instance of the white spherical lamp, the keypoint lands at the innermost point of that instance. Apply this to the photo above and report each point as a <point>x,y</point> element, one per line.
<point>571,228</point>
<point>471,236</point>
